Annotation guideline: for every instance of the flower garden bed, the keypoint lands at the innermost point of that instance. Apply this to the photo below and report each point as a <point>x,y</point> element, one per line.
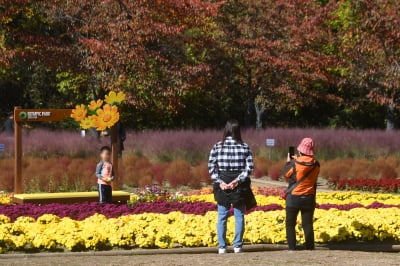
<point>63,161</point>
<point>190,221</point>
<point>386,185</point>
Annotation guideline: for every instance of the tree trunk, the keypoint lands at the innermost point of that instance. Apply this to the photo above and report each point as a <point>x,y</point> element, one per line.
<point>259,124</point>
<point>259,113</point>
<point>249,101</point>
<point>247,116</point>
<point>390,117</point>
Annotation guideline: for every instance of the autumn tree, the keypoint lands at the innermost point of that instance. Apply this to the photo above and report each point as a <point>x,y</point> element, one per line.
<point>30,55</point>
<point>370,37</point>
<point>157,51</point>
<point>196,63</point>
<point>154,50</point>
<point>10,10</point>
<point>284,51</point>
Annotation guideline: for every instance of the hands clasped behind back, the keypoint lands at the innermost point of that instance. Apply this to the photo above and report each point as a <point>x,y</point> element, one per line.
<point>232,185</point>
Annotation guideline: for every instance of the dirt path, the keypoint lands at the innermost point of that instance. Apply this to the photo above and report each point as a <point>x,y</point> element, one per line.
<point>251,258</point>
<point>266,182</point>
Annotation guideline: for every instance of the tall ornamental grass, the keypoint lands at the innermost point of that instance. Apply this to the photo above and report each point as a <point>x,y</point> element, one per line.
<point>65,161</point>
<point>194,146</point>
<point>330,144</point>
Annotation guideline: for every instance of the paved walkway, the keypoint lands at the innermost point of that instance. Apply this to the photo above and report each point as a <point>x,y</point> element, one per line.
<point>319,257</point>
<point>373,247</point>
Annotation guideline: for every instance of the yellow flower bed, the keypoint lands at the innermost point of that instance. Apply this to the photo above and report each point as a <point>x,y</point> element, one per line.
<point>164,230</point>
<point>356,197</point>
<point>152,230</point>
<point>97,232</point>
<point>5,198</point>
<point>261,200</point>
<point>322,198</point>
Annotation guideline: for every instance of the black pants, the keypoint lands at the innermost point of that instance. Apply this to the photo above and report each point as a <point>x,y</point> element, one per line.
<point>307,216</point>
<point>105,193</point>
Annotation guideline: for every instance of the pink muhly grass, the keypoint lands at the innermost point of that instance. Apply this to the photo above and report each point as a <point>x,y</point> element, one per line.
<point>194,146</point>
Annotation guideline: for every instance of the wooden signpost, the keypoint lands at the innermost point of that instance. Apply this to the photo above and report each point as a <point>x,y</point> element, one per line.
<point>48,115</point>
<point>40,115</point>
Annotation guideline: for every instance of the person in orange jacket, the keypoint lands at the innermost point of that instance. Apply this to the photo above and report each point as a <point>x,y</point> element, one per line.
<point>301,172</point>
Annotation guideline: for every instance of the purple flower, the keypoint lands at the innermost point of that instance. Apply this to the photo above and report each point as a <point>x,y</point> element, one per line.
<point>80,211</point>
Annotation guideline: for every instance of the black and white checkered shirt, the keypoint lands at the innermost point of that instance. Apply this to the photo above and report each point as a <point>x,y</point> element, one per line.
<point>232,156</point>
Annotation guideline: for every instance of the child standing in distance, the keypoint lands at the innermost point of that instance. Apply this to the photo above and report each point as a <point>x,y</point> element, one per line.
<point>105,175</point>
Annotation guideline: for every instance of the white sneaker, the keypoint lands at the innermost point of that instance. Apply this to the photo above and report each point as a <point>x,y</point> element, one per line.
<point>237,250</point>
<point>222,251</point>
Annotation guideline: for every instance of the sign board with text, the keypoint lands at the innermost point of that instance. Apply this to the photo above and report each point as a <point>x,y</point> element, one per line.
<point>30,115</point>
<point>41,115</point>
<point>270,142</point>
<point>46,115</point>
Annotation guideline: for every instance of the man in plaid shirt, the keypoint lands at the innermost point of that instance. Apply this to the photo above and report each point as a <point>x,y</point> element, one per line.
<point>230,166</point>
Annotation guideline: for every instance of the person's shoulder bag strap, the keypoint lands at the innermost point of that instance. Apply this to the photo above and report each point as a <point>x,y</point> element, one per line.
<point>292,187</point>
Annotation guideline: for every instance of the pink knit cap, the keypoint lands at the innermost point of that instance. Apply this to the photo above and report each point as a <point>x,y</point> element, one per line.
<point>306,147</point>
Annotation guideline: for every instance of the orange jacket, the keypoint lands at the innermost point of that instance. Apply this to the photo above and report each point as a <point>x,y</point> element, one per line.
<point>296,169</point>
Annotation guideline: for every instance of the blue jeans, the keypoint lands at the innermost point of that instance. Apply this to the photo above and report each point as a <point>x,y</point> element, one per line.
<point>223,212</point>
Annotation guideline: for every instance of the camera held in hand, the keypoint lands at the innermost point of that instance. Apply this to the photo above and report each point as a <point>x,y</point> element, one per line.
<point>291,152</point>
